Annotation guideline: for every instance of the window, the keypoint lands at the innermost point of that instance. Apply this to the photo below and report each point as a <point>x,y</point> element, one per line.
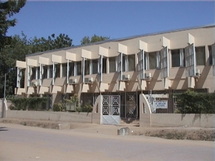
<point>34,73</point>
<point>200,55</point>
<point>57,70</point>
<point>50,71</point>
<point>131,62</point>
<point>71,68</point>
<point>128,63</point>
<point>210,55</point>
<point>178,57</point>
<point>45,71</point>
<point>112,64</point>
<point>95,66</point>
<point>87,67</point>
<point>104,65</point>
<point>78,68</point>
<point>64,69</point>
<point>175,58</point>
<point>152,60</point>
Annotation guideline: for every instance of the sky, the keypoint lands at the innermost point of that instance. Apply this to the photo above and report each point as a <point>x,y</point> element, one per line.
<point>113,19</point>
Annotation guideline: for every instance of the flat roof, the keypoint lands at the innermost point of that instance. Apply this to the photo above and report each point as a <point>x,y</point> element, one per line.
<point>119,39</point>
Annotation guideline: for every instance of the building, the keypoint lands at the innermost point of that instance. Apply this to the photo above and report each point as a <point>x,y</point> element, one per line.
<point>125,77</point>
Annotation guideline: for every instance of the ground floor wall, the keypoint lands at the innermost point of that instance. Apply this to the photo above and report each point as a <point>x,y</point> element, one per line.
<point>80,117</point>
<point>178,120</point>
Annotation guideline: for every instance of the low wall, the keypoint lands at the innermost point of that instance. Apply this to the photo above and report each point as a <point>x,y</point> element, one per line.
<point>81,117</point>
<point>176,120</point>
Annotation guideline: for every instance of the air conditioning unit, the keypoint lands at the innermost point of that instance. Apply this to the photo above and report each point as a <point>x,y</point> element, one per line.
<point>126,77</point>
<point>88,80</point>
<point>198,73</point>
<point>73,81</point>
<point>148,76</point>
<point>34,84</point>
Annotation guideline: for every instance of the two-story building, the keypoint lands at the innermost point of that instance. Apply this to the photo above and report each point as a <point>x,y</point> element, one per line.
<point>122,78</point>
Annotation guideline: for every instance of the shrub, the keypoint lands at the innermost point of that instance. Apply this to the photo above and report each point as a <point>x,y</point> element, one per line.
<point>193,102</point>
<point>31,103</point>
<point>85,108</point>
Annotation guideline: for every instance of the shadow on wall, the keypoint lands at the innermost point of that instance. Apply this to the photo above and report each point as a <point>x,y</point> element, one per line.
<point>154,80</point>
<point>178,77</point>
<point>204,75</point>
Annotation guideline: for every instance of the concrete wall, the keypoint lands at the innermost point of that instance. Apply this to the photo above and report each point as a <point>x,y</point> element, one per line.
<point>51,116</point>
<point>177,120</point>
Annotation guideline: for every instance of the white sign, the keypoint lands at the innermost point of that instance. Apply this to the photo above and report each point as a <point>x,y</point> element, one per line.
<point>163,104</point>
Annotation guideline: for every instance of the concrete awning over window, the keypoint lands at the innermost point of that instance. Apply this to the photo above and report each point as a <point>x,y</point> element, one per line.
<point>85,88</point>
<point>30,90</point>
<point>73,56</point>
<point>103,87</point>
<point>20,91</point>
<point>122,49</point>
<point>56,89</point>
<point>32,62</point>
<point>69,89</point>
<point>20,64</point>
<point>43,90</point>
<point>45,61</point>
<point>57,59</point>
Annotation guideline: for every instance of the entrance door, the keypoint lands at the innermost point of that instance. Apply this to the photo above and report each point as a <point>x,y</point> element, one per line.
<point>111,109</point>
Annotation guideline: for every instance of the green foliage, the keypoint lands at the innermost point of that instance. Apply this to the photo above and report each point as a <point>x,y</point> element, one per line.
<point>18,48</point>
<point>72,103</point>
<point>85,108</point>
<point>30,103</point>
<point>193,102</point>
<point>94,38</point>
<point>58,107</point>
<point>8,9</point>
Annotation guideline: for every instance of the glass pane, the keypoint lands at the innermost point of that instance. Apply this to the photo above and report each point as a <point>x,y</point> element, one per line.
<point>57,73</point>
<point>79,68</point>
<point>64,66</point>
<point>152,60</point>
<point>87,67</point>
<point>131,63</point>
<point>95,66</point>
<point>71,69</point>
<point>45,70</point>
<point>200,55</point>
<point>33,75</point>
<point>50,71</point>
<point>112,64</point>
<point>210,55</point>
<point>104,68</point>
<point>175,58</point>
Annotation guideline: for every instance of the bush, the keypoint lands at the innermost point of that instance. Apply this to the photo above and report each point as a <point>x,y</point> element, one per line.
<point>193,102</point>
<point>58,107</point>
<point>31,103</point>
<point>85,108</point>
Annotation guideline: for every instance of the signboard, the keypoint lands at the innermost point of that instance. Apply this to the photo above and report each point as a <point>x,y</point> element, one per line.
<point>160,104</point>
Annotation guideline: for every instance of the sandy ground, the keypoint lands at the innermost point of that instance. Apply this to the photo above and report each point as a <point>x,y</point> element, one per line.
<point>93,142</point>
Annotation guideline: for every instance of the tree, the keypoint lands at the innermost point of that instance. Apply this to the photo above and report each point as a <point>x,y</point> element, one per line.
<point>8,9</point>
<point>94,38</point>
<point>19,47</point>
<point>52,42</point>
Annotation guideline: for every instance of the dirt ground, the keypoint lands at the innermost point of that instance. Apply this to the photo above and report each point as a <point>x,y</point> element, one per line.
<point>177,133</point>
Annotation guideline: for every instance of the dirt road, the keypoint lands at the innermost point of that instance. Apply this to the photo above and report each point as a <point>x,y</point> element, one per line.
<point>21,143</point>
